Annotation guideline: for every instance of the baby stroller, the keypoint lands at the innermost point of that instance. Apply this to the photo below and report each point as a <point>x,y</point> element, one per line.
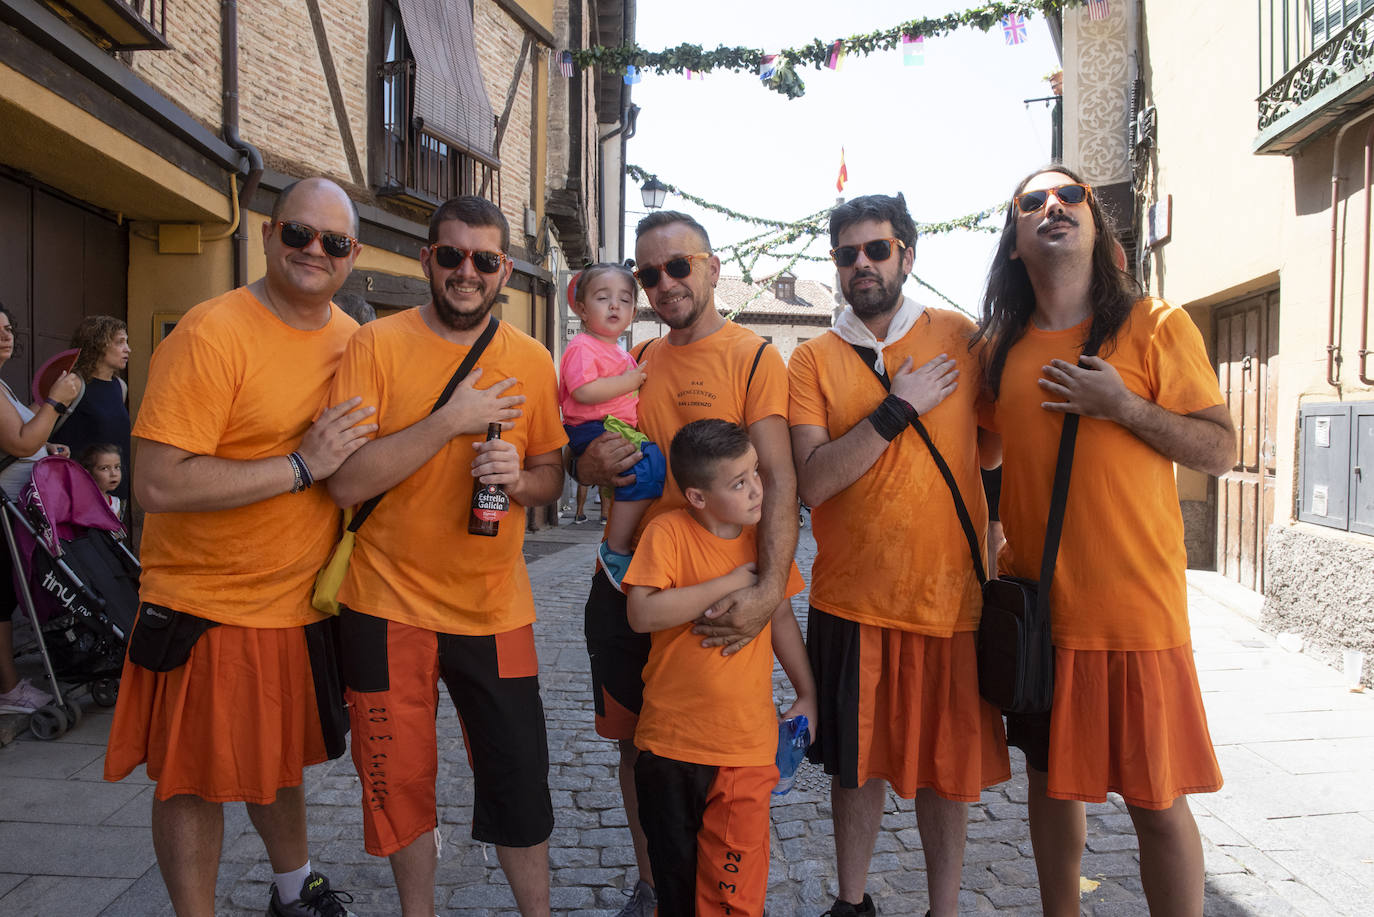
<point>77,578</point>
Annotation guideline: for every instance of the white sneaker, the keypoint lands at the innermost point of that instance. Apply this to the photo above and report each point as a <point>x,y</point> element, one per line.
<point>24,698</point>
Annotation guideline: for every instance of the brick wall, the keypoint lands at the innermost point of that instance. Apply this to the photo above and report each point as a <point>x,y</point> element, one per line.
<point>285,107</point>
<point>498,38</point>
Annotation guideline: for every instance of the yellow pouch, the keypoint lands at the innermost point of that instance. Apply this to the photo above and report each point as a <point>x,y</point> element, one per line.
<point>325,598</point>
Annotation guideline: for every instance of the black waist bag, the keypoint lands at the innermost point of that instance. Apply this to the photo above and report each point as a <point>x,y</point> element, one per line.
<point>1015,655</point>
<point>163,638</point>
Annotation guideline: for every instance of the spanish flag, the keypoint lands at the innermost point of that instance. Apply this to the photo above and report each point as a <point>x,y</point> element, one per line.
<point>844,173</point>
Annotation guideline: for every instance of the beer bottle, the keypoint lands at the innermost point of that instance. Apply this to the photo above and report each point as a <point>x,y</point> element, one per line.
<point>489,501</point>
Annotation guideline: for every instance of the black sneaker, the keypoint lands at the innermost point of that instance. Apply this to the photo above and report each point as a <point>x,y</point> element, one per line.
<point>317,900</point>
<point>845,909</point>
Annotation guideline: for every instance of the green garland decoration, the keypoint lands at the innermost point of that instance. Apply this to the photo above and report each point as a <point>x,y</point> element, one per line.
<point>815,53</point>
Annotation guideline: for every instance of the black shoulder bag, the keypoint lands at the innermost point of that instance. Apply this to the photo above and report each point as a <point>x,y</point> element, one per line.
<point>1015,651</point>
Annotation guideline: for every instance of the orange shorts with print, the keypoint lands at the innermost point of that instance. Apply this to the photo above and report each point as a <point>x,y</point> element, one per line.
<point>392,672</point>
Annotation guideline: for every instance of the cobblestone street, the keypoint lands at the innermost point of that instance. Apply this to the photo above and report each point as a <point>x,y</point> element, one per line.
<point>1291,833</point>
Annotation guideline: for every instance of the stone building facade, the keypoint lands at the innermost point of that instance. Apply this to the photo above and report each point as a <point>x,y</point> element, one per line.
<point>154,136</point>
<point>1252,215</point>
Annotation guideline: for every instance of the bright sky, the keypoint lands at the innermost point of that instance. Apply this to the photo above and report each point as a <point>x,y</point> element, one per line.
<point>953,134</point>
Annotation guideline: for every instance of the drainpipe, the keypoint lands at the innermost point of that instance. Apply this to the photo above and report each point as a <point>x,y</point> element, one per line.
<point>1364,293</point>
<point>1333,347</point>
<point>229,70</point>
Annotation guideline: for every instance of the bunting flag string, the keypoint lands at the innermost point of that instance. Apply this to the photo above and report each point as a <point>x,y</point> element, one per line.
<point>1014,27</point>
<point>779,70</point>
<point>913,51</point>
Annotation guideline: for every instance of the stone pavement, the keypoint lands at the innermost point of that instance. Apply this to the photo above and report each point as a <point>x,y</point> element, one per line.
<point>1292,832</point>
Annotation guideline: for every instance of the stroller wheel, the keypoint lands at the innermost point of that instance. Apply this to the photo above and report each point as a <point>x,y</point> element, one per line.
<point>73,711</point>
<point>105,691</point>
<point>48,722</point>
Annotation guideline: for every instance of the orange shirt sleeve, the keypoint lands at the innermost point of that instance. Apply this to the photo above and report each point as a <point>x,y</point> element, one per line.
<point>806,403</point>
<point>190,392</point>
<point>357,375</point>
<point>767,392</point>
<point>655,562</point>
<point>1180,372</point>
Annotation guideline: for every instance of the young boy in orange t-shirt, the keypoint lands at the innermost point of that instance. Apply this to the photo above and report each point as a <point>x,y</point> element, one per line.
<point>708,730</point>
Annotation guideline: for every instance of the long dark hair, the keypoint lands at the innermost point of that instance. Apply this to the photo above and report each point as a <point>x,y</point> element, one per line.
<point>1009,300</point>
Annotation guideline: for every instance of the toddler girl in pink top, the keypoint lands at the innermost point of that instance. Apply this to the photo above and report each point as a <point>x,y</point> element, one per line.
<point>598,391</point>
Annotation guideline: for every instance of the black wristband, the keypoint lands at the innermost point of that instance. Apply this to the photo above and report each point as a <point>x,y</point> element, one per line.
<point>891,417</point>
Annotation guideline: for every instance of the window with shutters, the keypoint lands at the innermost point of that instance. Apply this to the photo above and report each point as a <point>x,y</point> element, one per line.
<point>436,129</point>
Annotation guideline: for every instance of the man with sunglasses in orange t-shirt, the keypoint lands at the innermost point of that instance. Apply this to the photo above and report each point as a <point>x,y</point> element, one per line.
<point>427,599</point>
<point>232,432</point>
<point>704,367</point>
<point>1068,331</point>
<point>894,594</point>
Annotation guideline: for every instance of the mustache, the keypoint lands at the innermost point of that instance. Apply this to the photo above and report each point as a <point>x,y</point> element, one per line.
<point>1055,218</point>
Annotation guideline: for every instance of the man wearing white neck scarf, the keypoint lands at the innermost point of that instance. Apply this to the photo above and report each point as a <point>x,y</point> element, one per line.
<point>894,597</point>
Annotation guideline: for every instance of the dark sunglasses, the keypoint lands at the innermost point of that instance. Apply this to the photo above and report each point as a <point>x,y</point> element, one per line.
<point>677,268</point>
<point>1032,201</point>
<point>875,251</point>
<point>450,258</point>
<point>298,235</point>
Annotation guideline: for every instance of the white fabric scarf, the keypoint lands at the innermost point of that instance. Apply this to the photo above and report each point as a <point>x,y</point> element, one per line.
<point>852,330</point>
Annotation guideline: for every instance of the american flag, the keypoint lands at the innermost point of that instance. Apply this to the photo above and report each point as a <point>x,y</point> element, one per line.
<point>565,64</point>
<point>1098,10</point>
<point>1014,27</point>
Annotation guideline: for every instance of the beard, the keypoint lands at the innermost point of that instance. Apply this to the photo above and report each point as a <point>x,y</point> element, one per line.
<point>874,300</point>
<point>689,318</point>
<point>453,319</point>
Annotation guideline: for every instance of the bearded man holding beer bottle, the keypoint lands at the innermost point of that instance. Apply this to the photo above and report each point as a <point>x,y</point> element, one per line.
<point>424,597</point>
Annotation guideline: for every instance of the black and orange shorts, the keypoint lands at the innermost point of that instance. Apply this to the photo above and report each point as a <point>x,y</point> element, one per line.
<point>391,672</point>
<point>617,655</point>
<point>707,830</point>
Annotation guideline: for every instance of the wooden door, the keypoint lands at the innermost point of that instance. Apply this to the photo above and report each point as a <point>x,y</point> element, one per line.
<point>1247,346</point>
<point>62,262</point>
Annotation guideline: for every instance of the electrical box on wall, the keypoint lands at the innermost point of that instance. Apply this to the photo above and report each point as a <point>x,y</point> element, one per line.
<point>178,239</point>
<point>1336,466</point>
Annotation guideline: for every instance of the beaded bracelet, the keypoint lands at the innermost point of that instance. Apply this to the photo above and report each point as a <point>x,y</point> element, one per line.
<point>305,469</point>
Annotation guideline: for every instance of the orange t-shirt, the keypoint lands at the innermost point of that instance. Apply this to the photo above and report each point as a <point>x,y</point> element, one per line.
<point>699,706</point>
<point>889,548</point>
<point>706,378</point>
<point>234,381</point>
<point>1119,576</point>
<point>413,560</point>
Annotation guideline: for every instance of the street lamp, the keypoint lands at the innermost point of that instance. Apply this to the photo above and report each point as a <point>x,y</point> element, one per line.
<point>654,192</point>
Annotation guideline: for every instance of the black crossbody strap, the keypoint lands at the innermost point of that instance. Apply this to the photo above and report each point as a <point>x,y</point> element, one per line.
<point>758,355</point>
<point>870,358</point>
<point>459,374</point>
<point>1059,498</point>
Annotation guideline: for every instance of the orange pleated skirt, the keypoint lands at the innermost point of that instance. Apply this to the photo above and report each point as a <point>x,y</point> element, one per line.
<point>922,722</point>
<point>1131,723</point>
<point>237,722</point>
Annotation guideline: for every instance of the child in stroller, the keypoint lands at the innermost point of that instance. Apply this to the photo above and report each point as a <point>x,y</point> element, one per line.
<point>79,581</point>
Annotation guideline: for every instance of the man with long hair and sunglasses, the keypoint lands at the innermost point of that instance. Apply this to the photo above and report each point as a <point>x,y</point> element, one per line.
<point>895,597</point>
<point>233,430</point>
<point>424,598</point>
<point>704,367</point>
<point>1068,331</point>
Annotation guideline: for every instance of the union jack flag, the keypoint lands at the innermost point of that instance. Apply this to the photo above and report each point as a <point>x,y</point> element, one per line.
<point>1098,10</point>
<point>565,64</point>
<point>1014,27</point>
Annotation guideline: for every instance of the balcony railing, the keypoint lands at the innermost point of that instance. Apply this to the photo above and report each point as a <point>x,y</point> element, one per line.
<point>1316,60</point>
<point>122,25</point>
<point>417,165</point>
